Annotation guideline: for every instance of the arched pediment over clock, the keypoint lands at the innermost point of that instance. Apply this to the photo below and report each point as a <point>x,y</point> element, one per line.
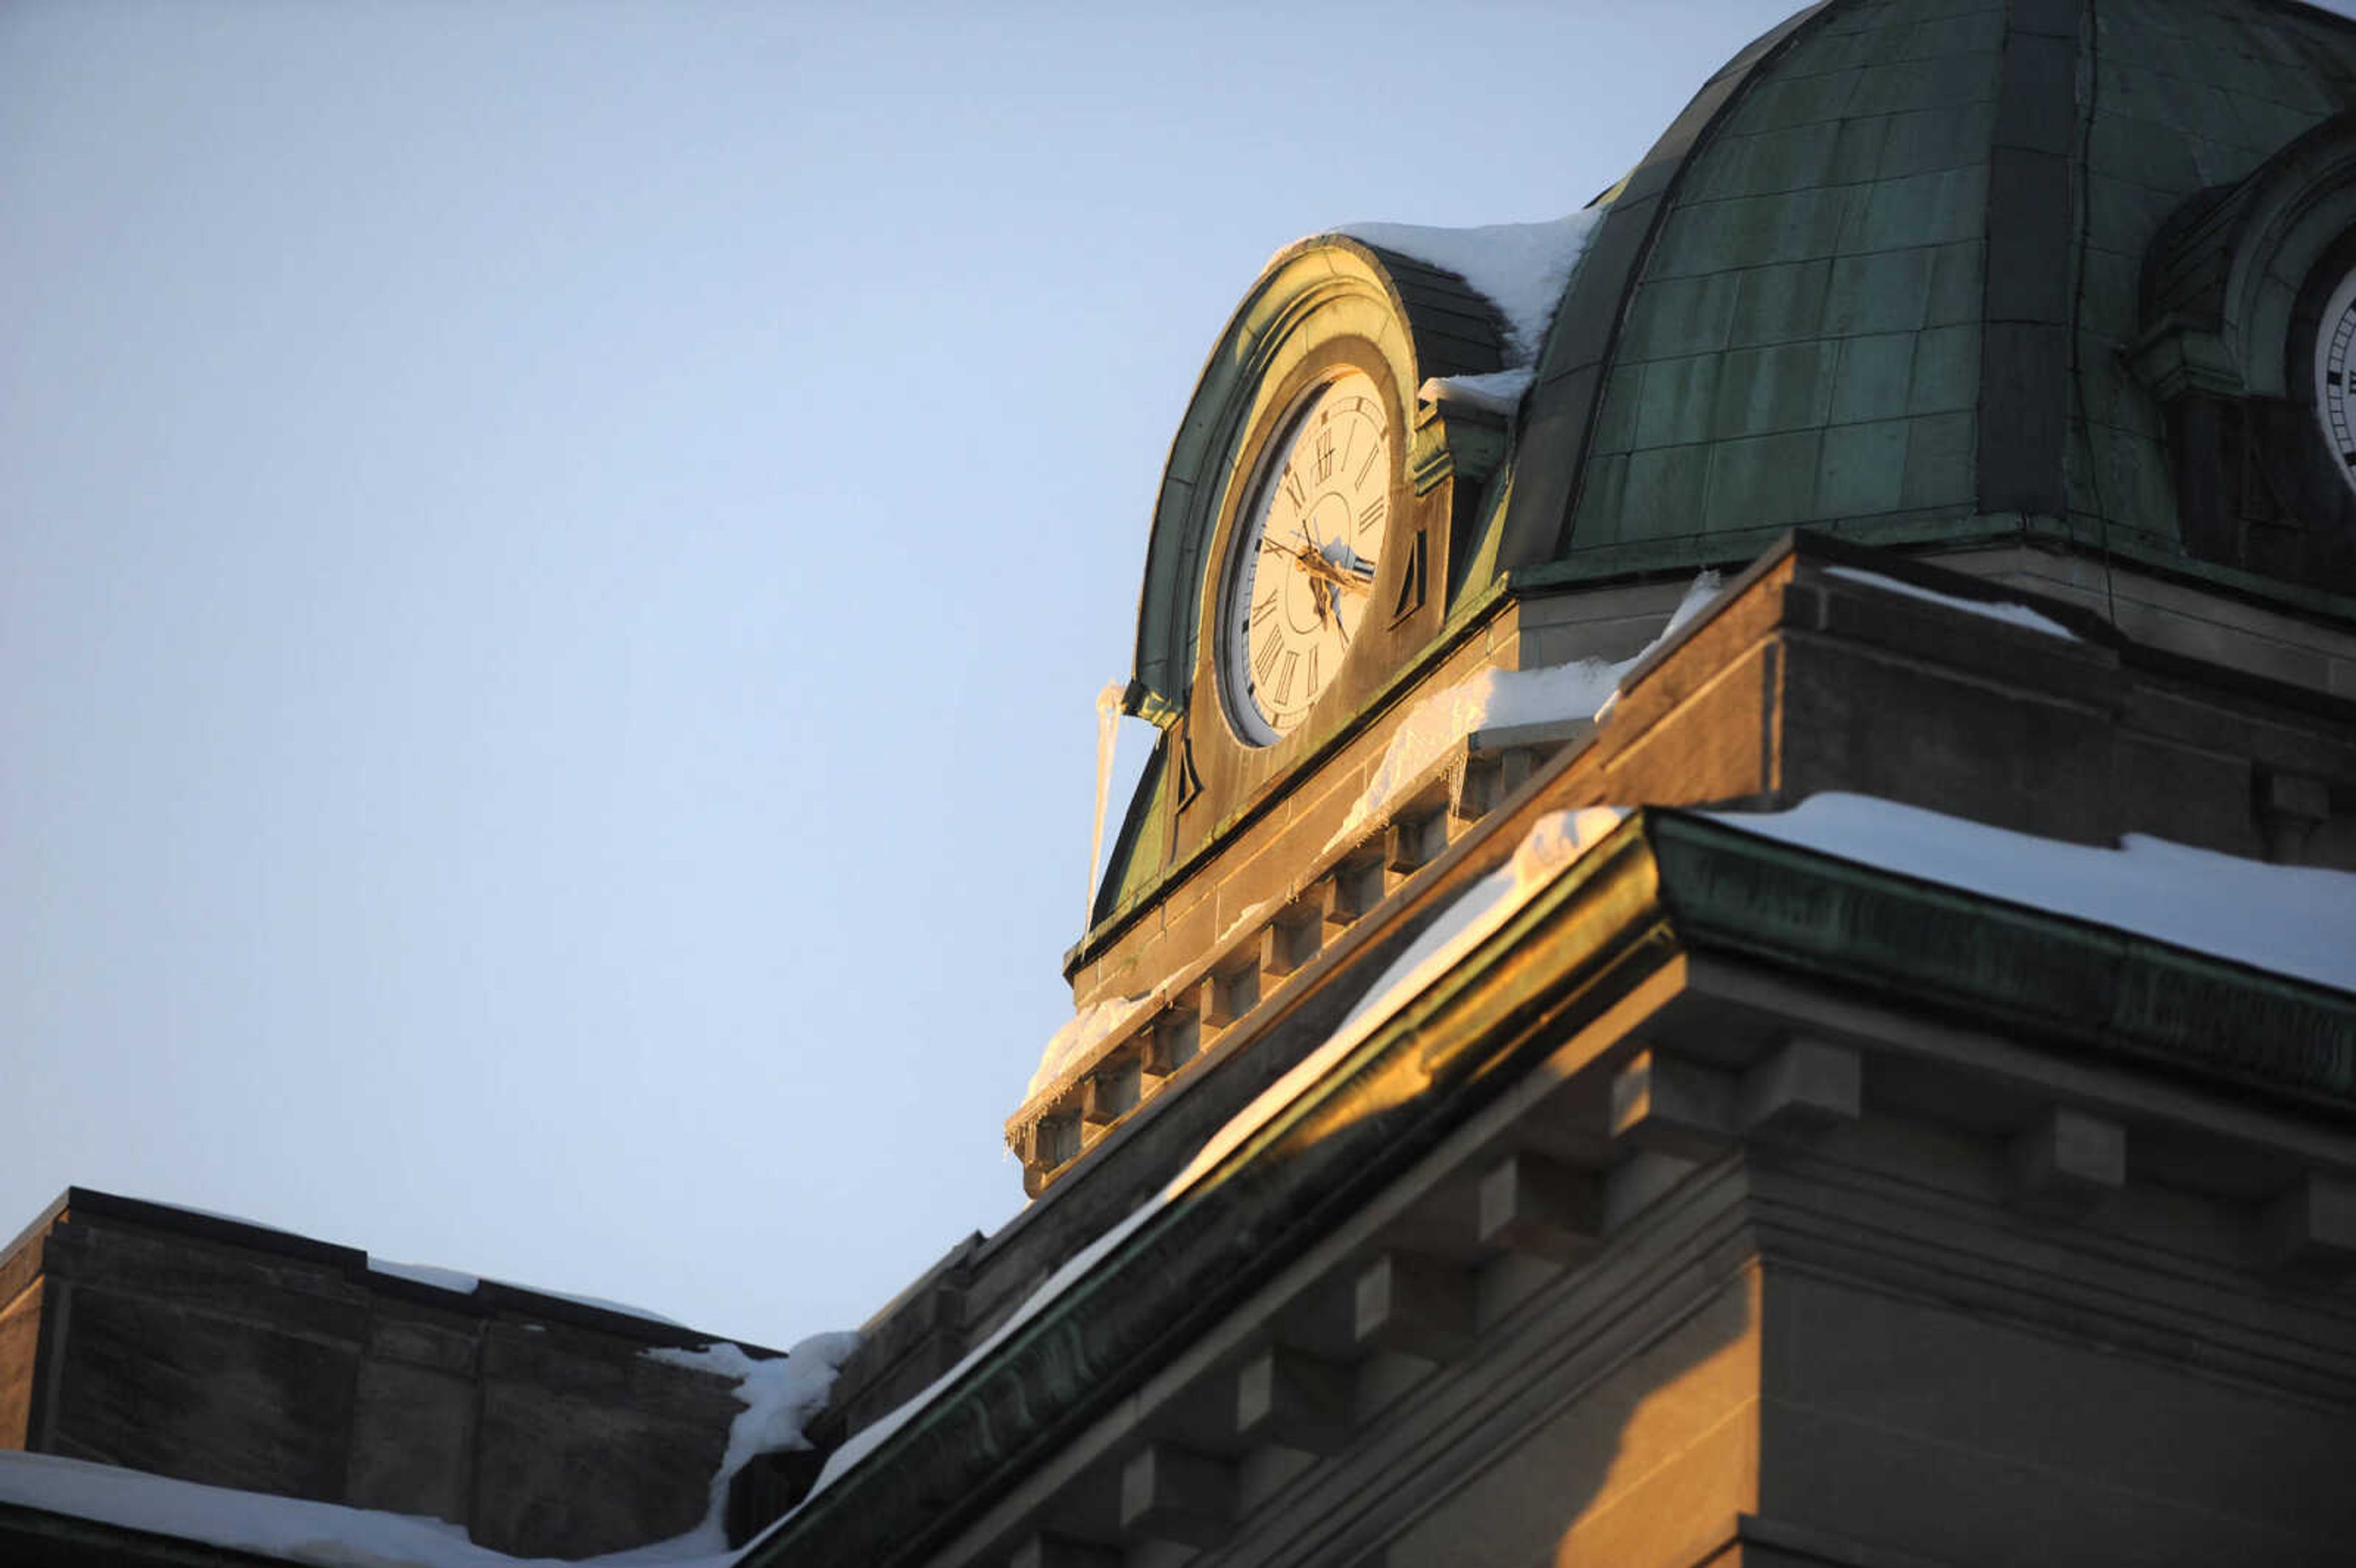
<point>2236,288</point>
<point>1326,300</point>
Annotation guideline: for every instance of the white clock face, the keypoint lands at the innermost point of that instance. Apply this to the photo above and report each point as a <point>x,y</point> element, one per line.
<point>1299,579</point>
<point>2335,345</point>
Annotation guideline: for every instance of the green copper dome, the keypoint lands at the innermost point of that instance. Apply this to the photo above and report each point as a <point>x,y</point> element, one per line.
<point>1885,277</point>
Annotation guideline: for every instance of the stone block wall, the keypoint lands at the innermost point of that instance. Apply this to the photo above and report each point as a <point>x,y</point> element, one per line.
<point>221,1352</point>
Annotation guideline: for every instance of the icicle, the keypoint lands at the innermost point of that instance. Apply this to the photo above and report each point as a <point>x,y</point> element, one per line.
<point>1108,726</point>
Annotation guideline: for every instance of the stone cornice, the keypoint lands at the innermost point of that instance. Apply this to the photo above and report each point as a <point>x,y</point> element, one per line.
<point>2046,975</point>
<point>1665,882</point>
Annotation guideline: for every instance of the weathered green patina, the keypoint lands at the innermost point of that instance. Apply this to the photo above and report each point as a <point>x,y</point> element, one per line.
<point>1992,962</point>
<point>1883,226</point>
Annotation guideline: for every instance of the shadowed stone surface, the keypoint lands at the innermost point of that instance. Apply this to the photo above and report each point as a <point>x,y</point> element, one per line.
<point>224,1353</point>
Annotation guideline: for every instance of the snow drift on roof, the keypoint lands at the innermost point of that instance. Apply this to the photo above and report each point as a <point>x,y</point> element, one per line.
<point>459,1284</point>
<point>1497,699</point>
<point>2297,921</point>
<point>1498,392</point>
<point>448,1279</point>
<point>1080,1035</point>
<point>428,1275</point>
<point>2012,615</point>
<point>779,1394</point>
<point>2293,920</point>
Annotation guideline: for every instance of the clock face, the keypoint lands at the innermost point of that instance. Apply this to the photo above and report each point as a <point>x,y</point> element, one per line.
<point>1299,580</point>
<point>2335,345</point>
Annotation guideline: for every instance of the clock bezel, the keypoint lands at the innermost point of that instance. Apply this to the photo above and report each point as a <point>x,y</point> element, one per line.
<point>2335,328</point>
<point>1281,410</point>
<point>1253,721</point>
<point>2296,459</point>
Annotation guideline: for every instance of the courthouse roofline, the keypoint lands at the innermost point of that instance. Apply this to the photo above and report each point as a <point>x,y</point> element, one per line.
<point>1665,889</point>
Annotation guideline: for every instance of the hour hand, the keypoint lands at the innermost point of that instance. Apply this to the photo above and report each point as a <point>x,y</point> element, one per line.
<point>1353,572</point>
<point>1300,555</point>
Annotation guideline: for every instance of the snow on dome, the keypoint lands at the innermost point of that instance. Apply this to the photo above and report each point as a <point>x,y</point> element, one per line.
<point>1521,268</point>
<point>1499,391</point>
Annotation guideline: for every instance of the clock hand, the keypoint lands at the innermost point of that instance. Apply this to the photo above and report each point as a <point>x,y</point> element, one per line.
<point>1322,579</point>
<point>1357,577</point>
<point>1303,556</point>
<point>1345,566</point>
<point>1350,577</point>
<point>1354,577</point>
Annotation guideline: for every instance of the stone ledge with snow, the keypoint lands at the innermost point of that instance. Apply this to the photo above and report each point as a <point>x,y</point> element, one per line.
<point>2146,951</point>
<point>218,1351</point>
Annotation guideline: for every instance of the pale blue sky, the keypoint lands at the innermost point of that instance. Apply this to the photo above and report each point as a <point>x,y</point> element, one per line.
<point>555,560</point>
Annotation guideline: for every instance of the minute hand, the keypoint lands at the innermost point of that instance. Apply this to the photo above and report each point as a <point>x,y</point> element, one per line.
<point>1318,566</point>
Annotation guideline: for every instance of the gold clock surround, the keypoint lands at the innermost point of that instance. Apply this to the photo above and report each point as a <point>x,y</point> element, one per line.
<point>1326,312</point>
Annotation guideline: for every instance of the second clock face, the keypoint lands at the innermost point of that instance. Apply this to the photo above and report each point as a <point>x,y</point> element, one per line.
<point>2335,376</point>
<point>1299,580</point>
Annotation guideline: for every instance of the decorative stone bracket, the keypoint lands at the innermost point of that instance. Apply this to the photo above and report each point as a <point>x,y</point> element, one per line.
<point>1205,1002</point>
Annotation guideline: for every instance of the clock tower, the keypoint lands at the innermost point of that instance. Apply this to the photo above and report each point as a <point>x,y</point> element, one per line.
<point>1962,348</point>
<point>1736,946</point>
<point>1310,572</point>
